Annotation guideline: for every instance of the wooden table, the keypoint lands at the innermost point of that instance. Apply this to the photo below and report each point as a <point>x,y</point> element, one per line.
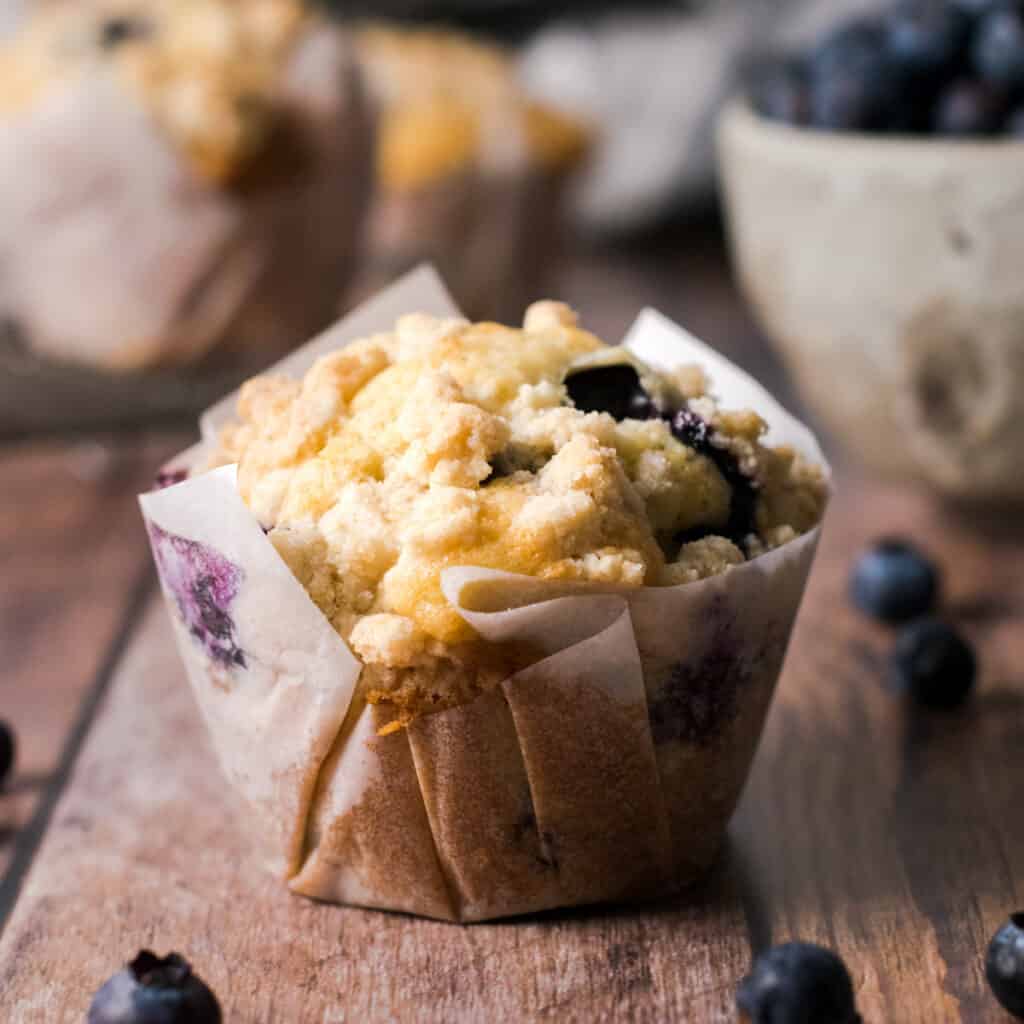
<point>893,836</point>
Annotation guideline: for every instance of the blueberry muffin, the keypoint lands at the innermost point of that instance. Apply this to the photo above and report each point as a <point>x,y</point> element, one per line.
<point>470,172</point>
<point>538,451</point>
<point>203,139</point>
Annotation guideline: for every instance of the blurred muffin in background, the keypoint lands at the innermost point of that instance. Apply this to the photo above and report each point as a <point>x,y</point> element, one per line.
<point>471,173</point>
<point>179,179</point>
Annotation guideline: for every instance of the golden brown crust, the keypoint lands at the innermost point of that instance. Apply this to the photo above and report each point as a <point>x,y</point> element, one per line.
<point>208,71</point>
<point>447,444</point>
<point>441,95</point>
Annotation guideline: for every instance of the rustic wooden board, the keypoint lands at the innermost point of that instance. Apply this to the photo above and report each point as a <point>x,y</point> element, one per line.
<point>147,848</point>
<point>889,835</point>
<point>73,554</point>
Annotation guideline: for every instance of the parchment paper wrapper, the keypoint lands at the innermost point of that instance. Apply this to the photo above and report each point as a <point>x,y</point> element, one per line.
<point>115,254</point>
<point>608,770</point>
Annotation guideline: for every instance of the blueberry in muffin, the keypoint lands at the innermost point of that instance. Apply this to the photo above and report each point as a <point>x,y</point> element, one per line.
<point>538,451</point>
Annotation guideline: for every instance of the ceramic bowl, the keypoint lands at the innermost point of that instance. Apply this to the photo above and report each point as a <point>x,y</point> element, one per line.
<point>889,273</point>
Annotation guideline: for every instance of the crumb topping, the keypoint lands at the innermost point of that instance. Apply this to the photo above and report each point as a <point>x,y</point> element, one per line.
<point>208,71</point>
<point>445,443</point>
<point>446,100</point>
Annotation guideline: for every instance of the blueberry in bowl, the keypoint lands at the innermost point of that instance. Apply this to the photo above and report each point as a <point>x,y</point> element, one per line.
<point>862,179</point>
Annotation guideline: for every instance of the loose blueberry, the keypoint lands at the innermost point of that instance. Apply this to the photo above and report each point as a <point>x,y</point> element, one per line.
<point>925,39</point>
<point>1004,965</point>
<point>969,108</point>
<point>933,664</point>
<point>780,90</point>
<point>998,49</point>
<point>155,990</point>
<point>7,751</point>
<point>894,582</point>
<point>614,389</point>
<point>798,983</point>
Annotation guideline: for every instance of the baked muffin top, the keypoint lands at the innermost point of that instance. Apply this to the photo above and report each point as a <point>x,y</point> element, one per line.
<point>207,70</point>
<point>448,100</point>
<point>538,451</point>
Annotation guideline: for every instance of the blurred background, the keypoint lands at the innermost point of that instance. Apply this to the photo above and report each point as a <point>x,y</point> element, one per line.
<point>527,148</point>
<point>827,190</point>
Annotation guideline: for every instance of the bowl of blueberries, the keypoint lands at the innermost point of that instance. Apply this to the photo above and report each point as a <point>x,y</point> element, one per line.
<point>874,190</point>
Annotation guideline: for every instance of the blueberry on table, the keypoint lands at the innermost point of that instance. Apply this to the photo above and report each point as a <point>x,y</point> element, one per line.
<point>797,983</point>
<point>613,388</point>
<point>998,48</point>
<point>969,108</point>
<point>155,990</point>
<point>933,664</point>
<point>1004,965</point>
<point>7,748</point>
<point>894,582</point>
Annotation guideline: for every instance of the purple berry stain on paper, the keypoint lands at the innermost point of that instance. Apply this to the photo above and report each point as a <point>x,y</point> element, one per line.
<point>168,478</point>
<point>203,584</point>
<point>700,697</point>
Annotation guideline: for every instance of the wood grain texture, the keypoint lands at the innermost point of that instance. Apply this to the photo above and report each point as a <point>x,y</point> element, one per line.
<point>889,835</point>
<point>148,848</point>
<point>72,552</point>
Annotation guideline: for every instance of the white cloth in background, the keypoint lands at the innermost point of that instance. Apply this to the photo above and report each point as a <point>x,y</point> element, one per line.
<point>651,84</point>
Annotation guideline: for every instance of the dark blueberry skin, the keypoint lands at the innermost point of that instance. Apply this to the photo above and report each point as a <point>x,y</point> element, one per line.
<point>155,990</point>
<point>853,99</point>
<point>933,664</point>
<point>8,747</point>
<point>781,90</point>
<point>853,85</point>
<point>797,983</point>
<point>969,109</point>
<point>115,31</point>
<point>998,49</point>
<point>926,39</point>
<point>616,390</point>
<point>1004,965</point>
<point>1015,124</point>
<point>695,433</point>
<point>894,582</point>
<point>613,389</point>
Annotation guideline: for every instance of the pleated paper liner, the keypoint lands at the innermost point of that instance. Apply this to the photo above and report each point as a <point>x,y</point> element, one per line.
<point>606,771</point>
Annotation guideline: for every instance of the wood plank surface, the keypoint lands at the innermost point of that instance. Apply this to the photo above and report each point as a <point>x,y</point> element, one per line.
<point>889,835</point>
<point>73,553</point>
<point>148,848</point>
